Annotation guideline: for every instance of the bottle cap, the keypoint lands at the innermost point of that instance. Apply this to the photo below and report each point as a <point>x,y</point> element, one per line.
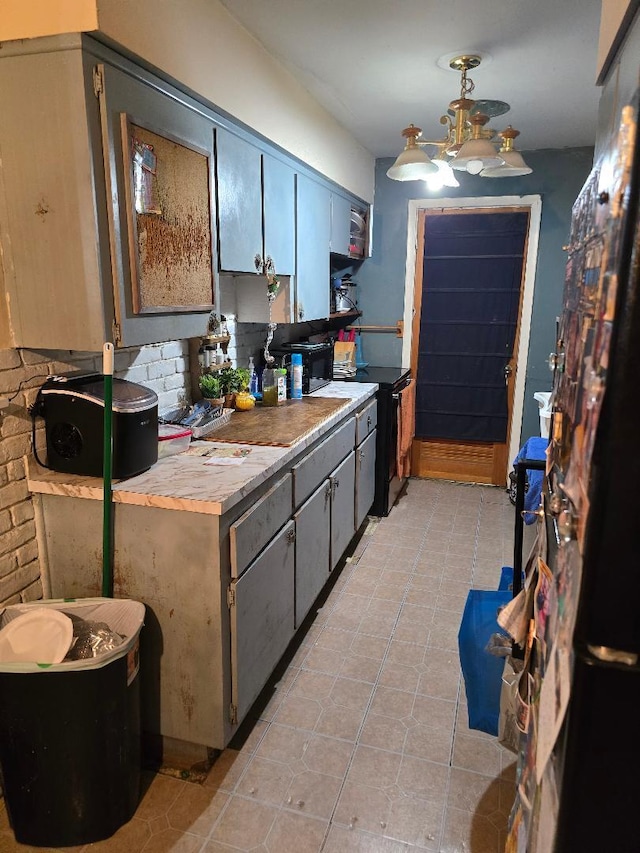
<point>296,358</point>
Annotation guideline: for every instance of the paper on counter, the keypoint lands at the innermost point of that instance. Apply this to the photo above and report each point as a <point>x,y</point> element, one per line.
<point>220,455</point>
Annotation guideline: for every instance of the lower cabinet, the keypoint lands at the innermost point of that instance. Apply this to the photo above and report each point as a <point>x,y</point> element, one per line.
<point>365,477</point>
<point>342,481</point>
<point>261,604</point>
<point>313,536</point>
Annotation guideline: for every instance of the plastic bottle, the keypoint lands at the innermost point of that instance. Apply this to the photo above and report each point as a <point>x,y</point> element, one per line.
<point>296,376</point>
<point>281,382</point>
<point>253,377</point>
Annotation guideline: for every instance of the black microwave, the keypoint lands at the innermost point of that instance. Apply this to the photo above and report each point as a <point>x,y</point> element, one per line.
<point>317,363</point>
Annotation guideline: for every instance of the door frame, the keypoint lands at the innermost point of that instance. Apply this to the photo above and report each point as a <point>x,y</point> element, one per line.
<point>534,203</point>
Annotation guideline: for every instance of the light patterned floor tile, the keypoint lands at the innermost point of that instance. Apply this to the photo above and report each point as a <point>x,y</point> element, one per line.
<point>245,824</point>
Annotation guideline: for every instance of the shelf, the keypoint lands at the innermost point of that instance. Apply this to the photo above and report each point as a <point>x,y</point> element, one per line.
<point>348,315</point>
<point>215,339</point>
<point>214,368</point>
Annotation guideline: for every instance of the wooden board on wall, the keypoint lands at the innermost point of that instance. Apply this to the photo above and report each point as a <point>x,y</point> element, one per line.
<point>169,219</point>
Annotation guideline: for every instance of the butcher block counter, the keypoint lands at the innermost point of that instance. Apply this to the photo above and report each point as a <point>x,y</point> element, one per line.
<point>227,550</point>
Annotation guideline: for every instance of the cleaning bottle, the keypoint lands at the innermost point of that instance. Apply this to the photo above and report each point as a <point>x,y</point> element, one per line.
<point>296,376</point>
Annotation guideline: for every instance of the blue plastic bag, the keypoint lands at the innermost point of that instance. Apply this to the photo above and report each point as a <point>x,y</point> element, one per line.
<point>482,671</point>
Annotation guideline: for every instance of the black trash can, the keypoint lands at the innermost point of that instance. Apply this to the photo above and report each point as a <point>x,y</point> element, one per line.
<point>70,733</point>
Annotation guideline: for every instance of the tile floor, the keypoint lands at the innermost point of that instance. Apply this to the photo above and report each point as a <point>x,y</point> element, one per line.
<point>363,744</point>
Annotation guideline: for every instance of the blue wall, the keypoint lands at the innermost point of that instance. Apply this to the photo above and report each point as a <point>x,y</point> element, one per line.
<point>558,175</point>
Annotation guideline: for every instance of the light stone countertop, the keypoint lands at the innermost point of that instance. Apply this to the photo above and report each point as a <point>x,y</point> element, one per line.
<point>187,483</point>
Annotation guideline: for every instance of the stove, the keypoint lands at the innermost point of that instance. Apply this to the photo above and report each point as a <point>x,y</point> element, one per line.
<point>386,377</point>
<point>391,381</point>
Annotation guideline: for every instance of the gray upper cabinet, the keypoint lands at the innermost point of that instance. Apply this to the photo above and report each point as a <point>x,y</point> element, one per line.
<point>313,228</point>
<point>64,232</point>
<point>279,199</point>
<point>340,224</point>
<point>255,207</point>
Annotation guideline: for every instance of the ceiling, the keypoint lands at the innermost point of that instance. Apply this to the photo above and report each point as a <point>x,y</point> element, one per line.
<point>373,64</point>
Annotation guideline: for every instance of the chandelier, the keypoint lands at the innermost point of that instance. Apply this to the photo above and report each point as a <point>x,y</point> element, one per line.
<point>467,147</point>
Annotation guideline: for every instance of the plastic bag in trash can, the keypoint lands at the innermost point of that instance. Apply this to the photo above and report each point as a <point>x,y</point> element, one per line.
<point>91,639</point>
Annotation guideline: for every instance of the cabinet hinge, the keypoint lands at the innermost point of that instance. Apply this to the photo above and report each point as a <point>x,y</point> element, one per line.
<point>233,714</point>
<point>117,334</point>
<point>98,83</point>
<point>231,596</point>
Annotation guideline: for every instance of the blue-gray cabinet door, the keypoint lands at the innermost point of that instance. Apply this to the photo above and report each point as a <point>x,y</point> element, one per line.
<point>262,618</point>
<point>340,224</point>
<point>365,477</point>
<point>342,507</point>
<point>239,184</point>
<point>313,534</point>
<point>313,236</point>
<point>279,199</point>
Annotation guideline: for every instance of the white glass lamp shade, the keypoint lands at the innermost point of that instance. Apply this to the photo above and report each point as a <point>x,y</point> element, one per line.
<point>412,165</point>
<point>514,165</point>
<point>476,155</point>
<point>444,177</point>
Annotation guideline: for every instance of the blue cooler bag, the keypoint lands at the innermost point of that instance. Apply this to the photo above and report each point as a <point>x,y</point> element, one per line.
<point>482,671</point>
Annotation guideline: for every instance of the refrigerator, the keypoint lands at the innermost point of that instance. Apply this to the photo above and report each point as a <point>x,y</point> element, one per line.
<point>578,771</point>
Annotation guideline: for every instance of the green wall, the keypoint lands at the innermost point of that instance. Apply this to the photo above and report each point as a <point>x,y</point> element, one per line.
<point>558,175</point>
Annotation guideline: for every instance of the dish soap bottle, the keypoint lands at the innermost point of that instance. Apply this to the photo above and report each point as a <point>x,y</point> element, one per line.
<point>253,377</point>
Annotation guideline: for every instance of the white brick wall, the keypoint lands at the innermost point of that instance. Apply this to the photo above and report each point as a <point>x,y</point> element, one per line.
<point>162,367</point>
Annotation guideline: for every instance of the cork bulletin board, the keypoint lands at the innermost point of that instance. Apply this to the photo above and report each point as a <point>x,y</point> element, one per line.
<point>168,205</point>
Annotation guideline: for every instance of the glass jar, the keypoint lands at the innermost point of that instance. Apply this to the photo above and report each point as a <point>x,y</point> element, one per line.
<point>269,387</point>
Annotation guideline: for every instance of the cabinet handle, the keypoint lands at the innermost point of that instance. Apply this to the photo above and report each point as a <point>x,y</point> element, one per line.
<point>259,263</point>
<point>301,313</point>
<point>327,491</point>
<point>361,455</point>
<point>368,421</point>
<point>291,535</point>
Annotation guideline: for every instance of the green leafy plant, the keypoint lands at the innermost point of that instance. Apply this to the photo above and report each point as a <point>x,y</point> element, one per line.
<point>234,379</point>
<point>211,386</point>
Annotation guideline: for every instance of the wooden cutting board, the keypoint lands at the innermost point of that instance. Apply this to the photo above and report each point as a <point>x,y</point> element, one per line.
<point>278,426</point>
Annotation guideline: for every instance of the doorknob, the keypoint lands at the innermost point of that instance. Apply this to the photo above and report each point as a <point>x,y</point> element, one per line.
<point>508,370</point>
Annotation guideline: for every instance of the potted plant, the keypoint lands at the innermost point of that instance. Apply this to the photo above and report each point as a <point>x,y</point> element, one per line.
<point>211,388</point>
<point>232,380</point>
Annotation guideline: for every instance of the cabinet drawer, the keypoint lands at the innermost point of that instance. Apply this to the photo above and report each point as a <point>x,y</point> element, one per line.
<point>251,532</point>
<point>366,421</point>
<point>317,465</point>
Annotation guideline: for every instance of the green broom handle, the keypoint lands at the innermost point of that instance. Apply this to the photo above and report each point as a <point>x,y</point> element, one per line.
<point>107,557</point>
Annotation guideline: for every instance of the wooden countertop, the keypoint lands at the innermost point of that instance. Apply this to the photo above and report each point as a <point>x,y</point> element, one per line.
<point>278,426</point>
